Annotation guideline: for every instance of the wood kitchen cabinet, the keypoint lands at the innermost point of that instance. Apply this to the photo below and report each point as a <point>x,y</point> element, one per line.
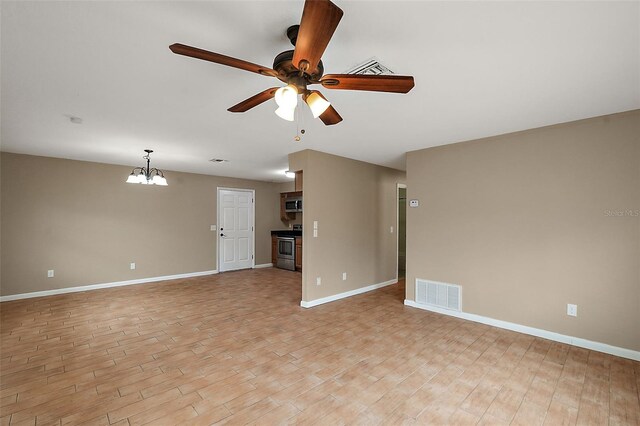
<point>298,253</point>
<point>274,250</point>
<point>284,216</point>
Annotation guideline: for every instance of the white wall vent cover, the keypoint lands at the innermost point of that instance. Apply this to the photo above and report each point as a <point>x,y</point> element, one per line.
<point>370,67</point>
<point>440,295</point>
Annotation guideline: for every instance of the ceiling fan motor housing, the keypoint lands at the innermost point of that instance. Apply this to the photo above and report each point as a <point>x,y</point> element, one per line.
<point>283,64</point>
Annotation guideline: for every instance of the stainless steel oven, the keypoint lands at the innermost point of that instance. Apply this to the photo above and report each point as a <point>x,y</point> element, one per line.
<point>286,258</point>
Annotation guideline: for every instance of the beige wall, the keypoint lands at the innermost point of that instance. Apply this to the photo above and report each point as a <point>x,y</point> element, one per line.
<point>82,220</point>
<point>355,206</point>
<point>520,222</point>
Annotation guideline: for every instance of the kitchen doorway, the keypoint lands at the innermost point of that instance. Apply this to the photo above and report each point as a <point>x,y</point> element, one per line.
<point>402,229</point>
<point>236,235</point>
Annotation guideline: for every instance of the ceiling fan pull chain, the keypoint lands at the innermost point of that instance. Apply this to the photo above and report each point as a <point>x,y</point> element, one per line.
<point>298,130</point>
<point>301,117</point>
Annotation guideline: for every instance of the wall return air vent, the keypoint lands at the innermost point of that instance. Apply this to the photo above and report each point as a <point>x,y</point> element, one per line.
<point>439,295</point>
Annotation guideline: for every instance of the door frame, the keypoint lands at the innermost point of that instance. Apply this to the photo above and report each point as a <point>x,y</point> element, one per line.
<point>398,186</point>
<point>253,223</point>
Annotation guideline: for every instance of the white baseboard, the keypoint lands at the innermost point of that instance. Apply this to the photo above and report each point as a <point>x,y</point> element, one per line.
<point>312,303</point>
<point>105,285</point>
<point>549,335</point>
<point>263,265</point>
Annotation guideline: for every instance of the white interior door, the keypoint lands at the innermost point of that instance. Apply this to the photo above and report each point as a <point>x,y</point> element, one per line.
<point>235,229</point>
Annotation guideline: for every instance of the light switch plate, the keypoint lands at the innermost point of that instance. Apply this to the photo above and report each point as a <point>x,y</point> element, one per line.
<point>318,281</point>
<point>572,310</point>
<point>132,266</point>
<point>50,273</point>
<point>213,227</point>
<point>344,276</point>
<point>315,233</point>
<point>315,224</point>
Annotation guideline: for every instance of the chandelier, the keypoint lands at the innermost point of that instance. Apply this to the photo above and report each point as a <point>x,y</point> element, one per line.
<point>147,176</point>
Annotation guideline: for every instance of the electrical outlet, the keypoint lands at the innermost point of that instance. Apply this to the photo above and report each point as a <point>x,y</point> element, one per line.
<point>315,233</point>
<point>344,276</point>
<point>50,273</point>
<point>132,266</point>
<point>315,224</point>
<point>572,310</point>
<point>318,281</point>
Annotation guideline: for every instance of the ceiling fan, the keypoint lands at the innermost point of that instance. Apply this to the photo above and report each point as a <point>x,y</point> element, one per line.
<point>302,67</point>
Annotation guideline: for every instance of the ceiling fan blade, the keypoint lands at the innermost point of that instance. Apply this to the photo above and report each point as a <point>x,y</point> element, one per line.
<point>320,19</point>
<point>253,101</point>
<point>330,116</point>
<point>194,52</point>
<point>373,83</point>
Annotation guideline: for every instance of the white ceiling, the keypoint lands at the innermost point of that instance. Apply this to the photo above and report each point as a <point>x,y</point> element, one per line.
<point>481,69</point>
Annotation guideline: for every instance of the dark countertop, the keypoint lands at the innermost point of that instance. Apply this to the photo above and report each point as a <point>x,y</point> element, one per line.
<point>287,233</point>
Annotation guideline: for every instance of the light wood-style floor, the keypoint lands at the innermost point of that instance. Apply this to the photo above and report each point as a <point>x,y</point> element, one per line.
<point>237,348</point>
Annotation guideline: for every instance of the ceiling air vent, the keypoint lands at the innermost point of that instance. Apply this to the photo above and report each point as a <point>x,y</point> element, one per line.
<point>218,160</point>
<point>370,67</point>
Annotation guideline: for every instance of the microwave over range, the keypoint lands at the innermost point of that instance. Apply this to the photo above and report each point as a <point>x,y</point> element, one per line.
<point>293,205</point>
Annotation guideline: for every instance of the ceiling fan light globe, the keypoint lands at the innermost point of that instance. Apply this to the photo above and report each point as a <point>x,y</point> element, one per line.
<point>286,113</point>
<point>317,104</point>
<point>287,97</point>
